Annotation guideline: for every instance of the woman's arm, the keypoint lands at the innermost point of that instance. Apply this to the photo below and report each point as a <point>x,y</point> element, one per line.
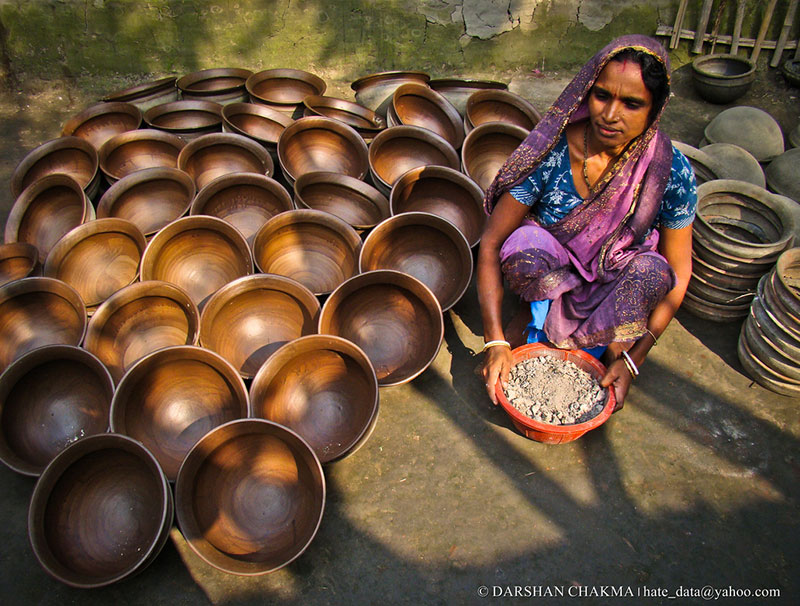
<point>506,217</point>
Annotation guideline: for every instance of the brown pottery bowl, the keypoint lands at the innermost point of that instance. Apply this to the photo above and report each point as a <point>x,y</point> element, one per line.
<point>375,91</point>
<point>218,154</point>
<point>260,123</point>
<point>350,199</point>
<point>283,89</point>
<point>250,496</point>
<point>186,119</point>
<point>221,85</point>
<point>458,91</point>
<point>100,512</point>
<point>324,388</point>
<point>140,319</point>
<point>18,260</point>
<point>365,121</point>
<point>499,106</point>
<point>418,105</point>
<point>487,147</point>
<point>98,123</point>
<point>135,150</point>
<point>173,397</point>
<point>71,156</point>
<point>147,95</point>
<point>393,317</point>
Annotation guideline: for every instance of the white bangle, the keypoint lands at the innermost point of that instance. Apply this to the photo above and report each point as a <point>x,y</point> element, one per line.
<point>632,366</point>
<point>491,344</point>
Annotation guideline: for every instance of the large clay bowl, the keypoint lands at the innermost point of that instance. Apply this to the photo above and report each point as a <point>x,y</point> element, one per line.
<point>140,319</point>
<point>783,176</point>
<point>706,168</point>
<point>735,162</point>
<point>398,149</point>
<point>46,211</point>
<point>172,397</point>
<point>770,354</point>
<point>248,319</point>
<point>49,398</point>
<point>150,198</point>
<point>763,374</point>
<point>417,105</point>
<point>773,329</point>
<point>218,154</point>
<point>221,85</point>
<point>787,279</point>
<point>781,307</point>
<point>487,147</point>
<point>748,127</point>
<point>245,200</point>
<point>706,250</point>
<point>35,312</point>
<point>324,388</point>
<point>97,258</point>
<point>200,254</point>
<point>71,156</point>
<point>723,278</point>
<point>791,71</point>
<point>98,123</point>
<point>722,78</point>
<point>350,199</point>
<point>135,150</point>
<point>100,512</point>
<point>316,248</point>
<point>425,246</point>
<point>714,312</point>
<point>147,95</point>
<point>283,89</point>
<point>19,260</point>
<point>794,136</point>
<point>499,106</point>
<point>186,119</point>
<point>444,192</point>
<point>260,123</point>
<point>393,317</point>
<point>711,293</point>
<point>458,91</point>
<point>365,121</point>
<point>250,496</point>
<point>317,144</point>
<point>375,90</point>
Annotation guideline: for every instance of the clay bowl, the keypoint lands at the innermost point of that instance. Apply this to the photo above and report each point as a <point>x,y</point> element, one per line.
<point>250,496</point>
<point>748,127</point>
<point>71,156</point>
<point>769,354</point>
<point>547,432</point>
<point>35,312</point>
<point>458,91</point>
<point>221,85</point>
<point>140,319</point>
<point>46,211</point>
<point>772,328</point>
<point>417,105</point>
<point>186,119</point>
<point>787,279</point>
<point>791,71</point>
<point>98,123</point>
<point>763,374</point>
<point>97,258</point>
<point>247,320</point>
<point>49,398</point>
<point>317,144</point>
<point>19,260</point>
<point>443,192</point>
<point>218,154</point>
<point>350,199</point>
<point>735,162</point>
<point>722,78</point>
<point>782,174</point>
<point>390,315</point>
<point>316,248</point>
<point>172,397</point>
<point>713,312</point>
<point>147,95</point>
<point>783,308</point>
<point>260,123</point>
<point>245,200</point>
<point>499,106</point>
<point>706,168</point>
<point>284,89</point>
<point>100,512</point>
<point>398,149</point>
<point>487,147</point>
<point>375,90</point>
<point>794,136</point>
<point>136,150</point>
<point>724,278</point>
<point>365,121</point>
<point>711,293</point>
<point>150,198</point>
<point>706,250</point>
<point>200,254</point>
<point>322,387</point>
<point>425,246</point>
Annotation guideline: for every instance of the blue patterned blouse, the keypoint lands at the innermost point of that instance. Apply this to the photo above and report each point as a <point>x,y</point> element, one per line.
<point>550,190</point>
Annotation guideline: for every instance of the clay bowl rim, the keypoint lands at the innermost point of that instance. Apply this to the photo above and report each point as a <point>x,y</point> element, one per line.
<point>484,130</point>
<point>230,180</point>
<point>228,293</point>
<point>17,250</point>
<point>345,182</point>
<point>520,421</point>
<point>193,459</point>
<point>313,102</point>
<point>225,140</point>
<point>284,74</point>
<point>136,292</point>
<point>695,154</point>
<point>130,136</point>
<point>54,471</point>
<point>299,216</point>
<point>699,66</point>
<point>397,279</point>
<point>255,109</point>
<point>41,151</point>
<point>308,344</point>
<point>417,218</point>
<point>134,92</point>
<point>207,107</point>
<point>66,244</point>
<point>346,132</point>
<point>789,259</point>
<point>124,185</point>
<point>505,96</point>
<point>187,81</point>
<point>475,84</point>
<point>23,365</point>
<point>370,79</point>
<point>438,100</point>
<point>99,109</point>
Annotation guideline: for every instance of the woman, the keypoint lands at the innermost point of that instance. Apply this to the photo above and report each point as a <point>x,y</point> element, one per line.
<point>592,214</point>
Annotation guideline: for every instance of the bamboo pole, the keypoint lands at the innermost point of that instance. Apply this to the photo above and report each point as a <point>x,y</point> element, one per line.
<point>784,36</point>
<point>676,29</point>
<point>702,24</point>
<point>762,33</point>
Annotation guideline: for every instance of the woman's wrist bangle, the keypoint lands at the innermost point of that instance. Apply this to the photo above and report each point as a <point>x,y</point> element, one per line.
<point>629,363</point>
<point>496,343</point>
<point>650,332</point>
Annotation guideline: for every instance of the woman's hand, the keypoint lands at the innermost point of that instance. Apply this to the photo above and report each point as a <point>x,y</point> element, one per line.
<point>496,365</point>
<point>618,376</point>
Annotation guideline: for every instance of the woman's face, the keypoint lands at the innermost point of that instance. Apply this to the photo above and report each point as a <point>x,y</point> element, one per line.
<point>619,105</point>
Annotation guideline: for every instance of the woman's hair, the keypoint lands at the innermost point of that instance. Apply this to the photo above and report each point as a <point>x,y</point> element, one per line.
<point>654,75</point>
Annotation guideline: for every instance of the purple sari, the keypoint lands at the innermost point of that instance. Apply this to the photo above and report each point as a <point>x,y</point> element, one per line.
<point>598,264</point>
